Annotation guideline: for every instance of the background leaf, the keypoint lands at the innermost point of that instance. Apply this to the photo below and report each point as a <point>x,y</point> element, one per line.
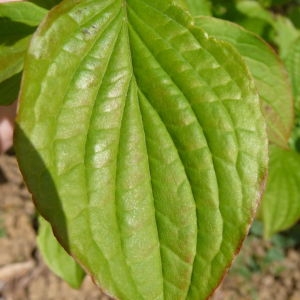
<point>280,207</point>
<point>18,21</point>
<point>292,62</point>
<point>249,14</point>
<point>285,35</point>
<point>268,71</point>
<point>150,126</point>
<point>48,4</point>
<point>12,53</point>
<point>294,15</point>
<point>199,8</point>
<point>58,260</point>
<point>22,12</point>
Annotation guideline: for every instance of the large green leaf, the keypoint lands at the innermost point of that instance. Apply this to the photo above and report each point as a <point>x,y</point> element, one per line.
<point>18,21</point>
<point>59,261</point>
<point>268,71</point>
<point>143,144</point>
<point>280,207</point>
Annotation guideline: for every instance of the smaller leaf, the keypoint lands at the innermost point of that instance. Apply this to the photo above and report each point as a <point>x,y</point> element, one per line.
<point>280,206</point>
<point>22,12</point>
<point>292,62</point>
<point>57,259</point>
<point>9,89</point>
<point>18,21</point>
<point>12,50</point>
<point>199,8</point>
<point>46,3</point>
<point>255,18</point>
<point>294,15</point>
<point>253,9</point>
<point>285,35</point>
<point>284,32</point>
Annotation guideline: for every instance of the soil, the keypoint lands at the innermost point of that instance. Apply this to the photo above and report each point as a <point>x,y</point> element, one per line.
<point>259,272</point>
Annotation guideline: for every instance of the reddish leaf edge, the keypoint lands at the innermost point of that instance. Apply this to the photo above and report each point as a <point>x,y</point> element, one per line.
<point>261,190</point>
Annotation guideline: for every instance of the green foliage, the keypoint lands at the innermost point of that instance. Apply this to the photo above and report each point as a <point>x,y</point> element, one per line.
<point>141,137</point>
<point>199,8</point>
<point>285,35</point>
<point>21,12</point>
<point>280,212</point>
<point>59,261</point>
<point>18,20</point>
<point>280,208</point>
<point>292,61</point>
<point>153,134</point>
<point>48,4</point>
<point>269,73</point>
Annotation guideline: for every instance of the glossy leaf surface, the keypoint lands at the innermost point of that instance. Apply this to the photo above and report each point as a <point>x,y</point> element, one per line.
<point>280,207</point>
<point>143,144</point>
<point>58,260</point>
<point>268,71</point>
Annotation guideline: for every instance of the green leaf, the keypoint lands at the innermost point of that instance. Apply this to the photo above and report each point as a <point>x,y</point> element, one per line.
<point>199,8</point>
<point>294,15</point>
<point>280,207</point>
<point>9,89</point>
<point>254,17</point>
<point>292,62</point>
<point>143,143</point>
<point>48,4</point>
<point>285,35</point>
<point>22,12</point>
<point>12,50</point>
<point>18,21</point>
<point>268,71</point>
<point>253,9</point>
<point>58,260</point>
